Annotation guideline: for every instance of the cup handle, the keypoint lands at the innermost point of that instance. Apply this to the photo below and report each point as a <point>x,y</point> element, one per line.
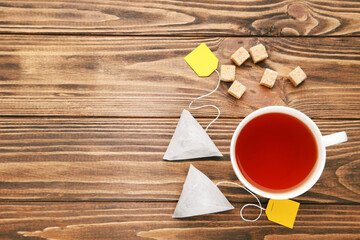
<point>335,138</point>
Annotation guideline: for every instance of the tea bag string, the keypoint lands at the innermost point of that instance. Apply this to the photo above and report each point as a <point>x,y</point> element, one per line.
<point>208,94</point>
<point>246,205</point>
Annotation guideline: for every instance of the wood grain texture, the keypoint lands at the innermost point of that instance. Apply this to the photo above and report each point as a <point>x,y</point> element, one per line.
<point>60,221</point>
<point>186,18</point>
<point>91,92</point>
<point>121,76</point>
<point>92,159</point>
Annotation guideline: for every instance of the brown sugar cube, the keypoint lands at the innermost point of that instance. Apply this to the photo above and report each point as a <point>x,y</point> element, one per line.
<point>237,89</point>
<point>269,78</point>
<point>296,76</point>
<point>240,56</point>
<point>258,53</point>
<point>227,73</point>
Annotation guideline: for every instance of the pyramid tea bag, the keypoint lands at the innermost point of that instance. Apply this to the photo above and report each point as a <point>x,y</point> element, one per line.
<point>190,141</point>
<point>200,196</point>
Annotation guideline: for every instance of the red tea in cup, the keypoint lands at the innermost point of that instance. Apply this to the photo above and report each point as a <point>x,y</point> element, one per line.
<point>279,152</point>
<point>276,152</point>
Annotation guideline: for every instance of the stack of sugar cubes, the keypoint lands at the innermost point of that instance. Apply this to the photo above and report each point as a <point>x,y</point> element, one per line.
<point>258,53</point>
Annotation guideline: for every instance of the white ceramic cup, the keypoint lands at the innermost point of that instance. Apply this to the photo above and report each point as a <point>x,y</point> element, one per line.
<point>321,141</point>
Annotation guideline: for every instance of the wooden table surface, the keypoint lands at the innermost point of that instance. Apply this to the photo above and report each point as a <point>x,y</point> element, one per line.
<point>91,92</point>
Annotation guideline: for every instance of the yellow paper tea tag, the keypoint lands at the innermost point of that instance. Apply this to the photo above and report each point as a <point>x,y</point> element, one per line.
<point>282,211</point>
<point>202,60</point>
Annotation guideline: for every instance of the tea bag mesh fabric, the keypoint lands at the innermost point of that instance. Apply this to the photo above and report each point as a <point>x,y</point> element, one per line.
<point>190,141</point>
<point>200,196</point>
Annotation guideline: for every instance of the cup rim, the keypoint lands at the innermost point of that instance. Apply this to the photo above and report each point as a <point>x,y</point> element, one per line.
<point>316,171</point>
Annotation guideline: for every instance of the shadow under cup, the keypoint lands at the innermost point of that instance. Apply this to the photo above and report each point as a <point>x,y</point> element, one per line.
<point>270,156</point>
